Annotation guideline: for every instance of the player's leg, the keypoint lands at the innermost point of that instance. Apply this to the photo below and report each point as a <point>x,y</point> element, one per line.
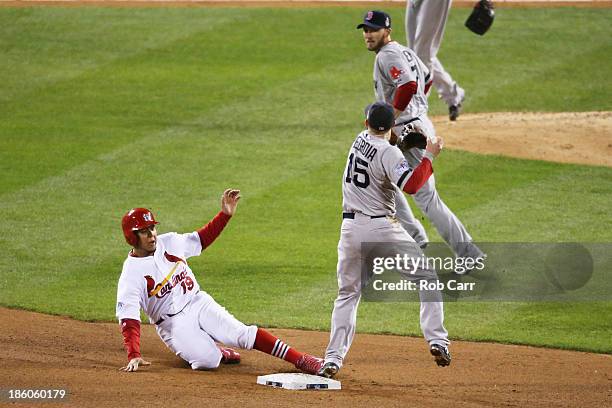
<point>446,87</point>
<point>450,228</point>
<point>223,327</point>
<point>344,315</point>
<point>432,308</point>
<point>405,216</point>
<point>428,25</point>
<point>182,335</point>
<point>410,21</point>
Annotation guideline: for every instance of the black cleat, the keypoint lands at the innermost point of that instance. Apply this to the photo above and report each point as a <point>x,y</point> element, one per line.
<point>441,354</point>
<point>329,370</point>
<point>454,111</point>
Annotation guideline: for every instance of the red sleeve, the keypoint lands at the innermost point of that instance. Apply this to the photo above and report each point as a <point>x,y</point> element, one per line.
<point>130,329</point>
<point>419,176</point>
<point>403,95</point>
<point>427,86</point>
<point>211,231</point>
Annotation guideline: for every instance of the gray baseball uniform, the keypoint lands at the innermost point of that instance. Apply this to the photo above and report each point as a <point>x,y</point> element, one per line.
<point>394,66</point>
<point>425,23</point>
<point>374,171</point>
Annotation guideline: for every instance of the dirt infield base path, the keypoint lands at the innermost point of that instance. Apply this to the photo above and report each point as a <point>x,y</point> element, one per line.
<point>567,137</point>
<point>41,351</point>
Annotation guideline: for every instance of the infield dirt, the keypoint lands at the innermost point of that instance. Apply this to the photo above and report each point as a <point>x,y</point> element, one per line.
<point>42,351</point>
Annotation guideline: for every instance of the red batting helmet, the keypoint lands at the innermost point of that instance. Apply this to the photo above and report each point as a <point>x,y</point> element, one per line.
<point>134,220</point>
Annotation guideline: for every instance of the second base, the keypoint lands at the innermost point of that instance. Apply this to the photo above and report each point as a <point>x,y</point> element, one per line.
<point>298,381</point>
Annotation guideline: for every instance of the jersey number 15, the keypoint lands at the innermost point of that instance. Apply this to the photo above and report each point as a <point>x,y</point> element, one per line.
<point>360,169</point>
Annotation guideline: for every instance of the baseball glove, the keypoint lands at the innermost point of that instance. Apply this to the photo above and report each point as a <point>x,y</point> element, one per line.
<point>481,18</point>
<point>411,137</point>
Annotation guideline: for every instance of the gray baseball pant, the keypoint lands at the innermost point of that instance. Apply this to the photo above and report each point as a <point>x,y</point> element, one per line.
<point>450,228</point>
<point>425,23</point>
<point>387,230</point>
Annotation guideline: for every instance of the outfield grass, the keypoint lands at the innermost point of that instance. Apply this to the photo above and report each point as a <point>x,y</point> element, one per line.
<point>105,109</point>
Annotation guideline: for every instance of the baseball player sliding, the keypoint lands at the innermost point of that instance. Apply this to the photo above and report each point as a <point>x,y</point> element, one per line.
<point>375,170</point>
<point>402,80</point>
<point>157,278</point>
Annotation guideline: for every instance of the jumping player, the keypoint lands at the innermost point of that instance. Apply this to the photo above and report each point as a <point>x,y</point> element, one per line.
<point>402,80</point>
<point>157,278</point>
<point>375,170</point>
<point>425,23</point>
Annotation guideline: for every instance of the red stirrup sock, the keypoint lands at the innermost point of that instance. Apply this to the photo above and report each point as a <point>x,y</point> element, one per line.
<point>270,344</point>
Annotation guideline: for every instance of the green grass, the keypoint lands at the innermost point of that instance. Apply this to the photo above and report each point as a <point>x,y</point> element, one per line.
<point>104,109</point>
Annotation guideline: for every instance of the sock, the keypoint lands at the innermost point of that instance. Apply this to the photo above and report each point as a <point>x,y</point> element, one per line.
<point>270,344</point>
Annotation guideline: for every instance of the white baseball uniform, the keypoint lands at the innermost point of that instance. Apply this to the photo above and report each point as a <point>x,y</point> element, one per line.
<point>425,23</point>
<point>394,66</point>
<point>187,319</point>
<point>374,171</point>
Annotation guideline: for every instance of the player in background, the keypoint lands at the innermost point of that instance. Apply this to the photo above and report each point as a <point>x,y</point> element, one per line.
<point>425,23</point>
<point>402,80</point>
<point>157,279</point>
<point>375,170</point>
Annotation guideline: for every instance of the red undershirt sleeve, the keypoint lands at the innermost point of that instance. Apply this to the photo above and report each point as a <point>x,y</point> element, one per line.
<point>403,95</point>
<point>211,231</point>
<point>427,86</point>
<point>419,176</point>
<point>130,329</point>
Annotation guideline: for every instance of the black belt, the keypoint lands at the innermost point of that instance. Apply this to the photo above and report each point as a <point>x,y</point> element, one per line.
<point>167,316</point>
<point>173,314</point>
<point>406,122</point>
<point>351,216</point>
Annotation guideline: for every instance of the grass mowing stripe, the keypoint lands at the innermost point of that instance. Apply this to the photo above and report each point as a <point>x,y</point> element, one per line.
<point>284,144</point>
<point>64,44</point>
<point>82,181</point>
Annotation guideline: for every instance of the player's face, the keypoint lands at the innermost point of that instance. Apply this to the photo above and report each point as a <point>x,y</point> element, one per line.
<point>375,39</point>
<point>147,240</point>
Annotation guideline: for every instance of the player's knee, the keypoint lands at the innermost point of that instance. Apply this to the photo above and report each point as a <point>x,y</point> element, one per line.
<point>207,363</point>
<point>347,294</point>
<point>246,337</point>
<point>426,199</point>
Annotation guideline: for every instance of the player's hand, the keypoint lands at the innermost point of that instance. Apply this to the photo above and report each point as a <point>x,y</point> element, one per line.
<point>133,364</point>
<point>435,147</point>
<point>229,201</point>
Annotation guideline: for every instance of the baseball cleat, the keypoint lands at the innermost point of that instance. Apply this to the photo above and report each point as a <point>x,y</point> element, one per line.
<point>229,356</point>
<point>309,364</point>
<point>454,111</point>
<point>329,370</point>
<point>441,354</point>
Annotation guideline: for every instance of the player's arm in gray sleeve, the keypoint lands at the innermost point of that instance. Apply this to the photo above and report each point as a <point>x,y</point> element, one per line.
<point>400,173</point>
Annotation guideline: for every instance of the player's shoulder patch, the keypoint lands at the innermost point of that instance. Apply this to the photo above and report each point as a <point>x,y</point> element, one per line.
<point>395,72</point>
<point>401,168</point>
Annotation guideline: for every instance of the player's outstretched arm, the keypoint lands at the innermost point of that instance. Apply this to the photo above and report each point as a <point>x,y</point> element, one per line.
<point>210,232</point>
<point>229,201</point>
<point>133,365</point>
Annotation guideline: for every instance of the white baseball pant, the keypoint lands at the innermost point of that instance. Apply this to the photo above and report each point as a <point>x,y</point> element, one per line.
<point>192,333</point>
